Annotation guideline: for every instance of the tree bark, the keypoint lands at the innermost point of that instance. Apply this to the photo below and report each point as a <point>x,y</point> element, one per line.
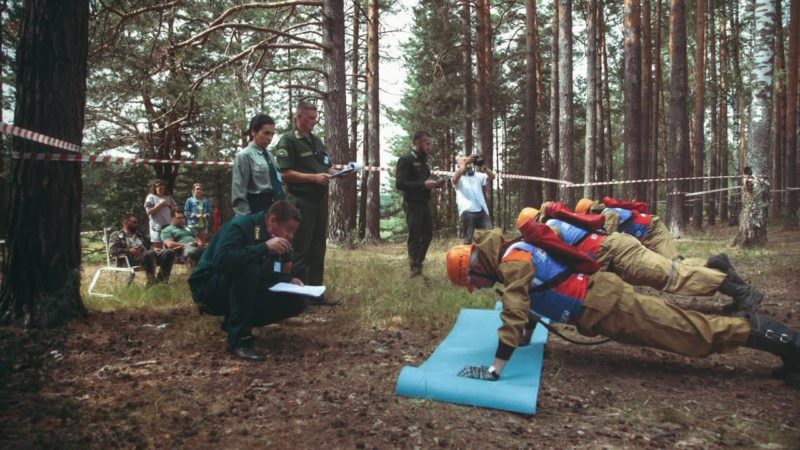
<point>633,101</point>
<point>373,231</point>
<point>790,207</point>
<point>469,93</point>
<point>41,285</point>
<point>609,153</point>
<point>566,121</point>
<point>483,85</point>
<point>779,106</point>
<point>531,154</point>
<point>355,60</point>
<point>713,157</point>
<point>647,86</point>
<point>655,117</point>
<point>755,190</point>
<point>553,168</point>
<point>699,109</point>
<point>342,212</point>
<point>678,129</point>
<point>722,145</point>
<point>591,100</point>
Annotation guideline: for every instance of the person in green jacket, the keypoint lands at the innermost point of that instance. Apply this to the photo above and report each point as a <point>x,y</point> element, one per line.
<point>306,171</point>
<point>250,254</point>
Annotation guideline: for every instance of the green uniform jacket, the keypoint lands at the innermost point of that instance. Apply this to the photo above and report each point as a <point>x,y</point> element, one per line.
<point>251,175</point>
<point>306,155</point>
<point>240,241</point>
<point>411,173</point>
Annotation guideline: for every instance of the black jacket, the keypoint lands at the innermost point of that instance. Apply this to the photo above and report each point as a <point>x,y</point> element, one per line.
<point>412,172</point>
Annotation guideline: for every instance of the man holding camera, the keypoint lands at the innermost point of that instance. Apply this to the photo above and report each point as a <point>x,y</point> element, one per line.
<point>470,180</point>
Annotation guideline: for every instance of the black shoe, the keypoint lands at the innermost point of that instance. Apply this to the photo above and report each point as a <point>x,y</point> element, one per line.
<point>719,262</point>
<point>746,298</point>
<point>246,353</point>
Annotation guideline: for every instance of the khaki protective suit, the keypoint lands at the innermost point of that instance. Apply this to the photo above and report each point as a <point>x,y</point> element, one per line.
<point>625,256</point>
<point>657,238</point>
<point>611,309</point>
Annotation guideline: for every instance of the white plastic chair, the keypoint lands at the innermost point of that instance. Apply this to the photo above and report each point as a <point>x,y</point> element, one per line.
<point>121,264</point>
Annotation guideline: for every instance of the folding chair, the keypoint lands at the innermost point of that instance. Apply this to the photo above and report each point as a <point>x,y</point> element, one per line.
<point>121,264</point>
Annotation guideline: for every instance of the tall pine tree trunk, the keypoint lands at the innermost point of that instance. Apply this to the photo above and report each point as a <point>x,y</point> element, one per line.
<point>678,129</point>
<point>483,92</point>
<point>656,115</point>
<point>779,106</point>
<point>373,231</point>
<point>41,285</point>
<point>355,60</point>
<point>566,122</point>
<point>342,212</point>
<point>647,86</point>
<point>633,101</point>
<point>699,109</point>
<point>790,207</point>
<point>591,100</point>
<point>714,93</point>
<point>722,98</point>
<point>469,93</point>
<point>553,168</point>
<point>532,156</point>
<point>755,191</point>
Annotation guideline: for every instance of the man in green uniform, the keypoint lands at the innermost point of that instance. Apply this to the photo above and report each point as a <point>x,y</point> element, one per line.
<point>256,182</point>
<point>250,254</point>
<point>306,171</point>
<point>600,304</point>
<point>413,180</point>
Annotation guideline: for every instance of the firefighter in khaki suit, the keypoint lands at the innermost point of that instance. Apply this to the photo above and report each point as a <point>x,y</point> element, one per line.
<point>632,218</point>
<point>623,255</point>
<point>600,304</point>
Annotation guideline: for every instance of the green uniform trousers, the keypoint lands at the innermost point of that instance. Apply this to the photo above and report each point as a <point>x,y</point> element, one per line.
<point>420,232</point>
<point>625,256</point>
<point>309,240</point>
<point>614,310</point>
<point>659,239</point>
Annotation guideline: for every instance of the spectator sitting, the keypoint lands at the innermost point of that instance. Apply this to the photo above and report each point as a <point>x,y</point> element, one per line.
<point>181,239</point>
<point>158,206</point>
<point>129,242</point>
<point>198,213</point>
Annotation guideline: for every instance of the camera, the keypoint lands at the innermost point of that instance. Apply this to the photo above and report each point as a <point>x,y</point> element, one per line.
<point>478,160</point>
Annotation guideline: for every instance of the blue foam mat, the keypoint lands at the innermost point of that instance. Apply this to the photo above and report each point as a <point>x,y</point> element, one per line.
<point>473,341</point>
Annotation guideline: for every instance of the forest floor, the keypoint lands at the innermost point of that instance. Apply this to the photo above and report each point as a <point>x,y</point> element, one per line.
<point>159,378</point>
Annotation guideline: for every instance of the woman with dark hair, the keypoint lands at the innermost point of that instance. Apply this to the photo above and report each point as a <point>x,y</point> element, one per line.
<point>256,181</point>
<point>158,206</point>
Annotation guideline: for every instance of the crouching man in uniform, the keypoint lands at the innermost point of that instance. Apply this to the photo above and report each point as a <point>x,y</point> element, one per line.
<point>250,254</point>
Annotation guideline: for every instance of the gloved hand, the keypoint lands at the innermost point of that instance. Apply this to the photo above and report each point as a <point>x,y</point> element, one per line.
<point>479,373</point>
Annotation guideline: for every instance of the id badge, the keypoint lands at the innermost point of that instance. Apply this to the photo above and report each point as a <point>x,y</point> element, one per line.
<point>326,160</point>
<point>277,267</point>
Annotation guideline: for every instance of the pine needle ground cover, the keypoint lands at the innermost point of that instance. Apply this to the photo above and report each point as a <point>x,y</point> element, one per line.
<point>145,370</point>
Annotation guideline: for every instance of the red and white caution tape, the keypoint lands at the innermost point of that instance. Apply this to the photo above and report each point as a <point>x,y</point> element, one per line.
<point>100,159</point>
<point>77,157</point>
<point>12,130</point>
<point>650,180</point>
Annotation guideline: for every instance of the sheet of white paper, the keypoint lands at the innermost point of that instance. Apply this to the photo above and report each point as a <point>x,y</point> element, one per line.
<point>313,291</point>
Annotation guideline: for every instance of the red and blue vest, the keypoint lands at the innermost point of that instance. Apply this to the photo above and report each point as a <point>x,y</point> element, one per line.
<point>583,240</point>
<point>634,224</point>
<point>556,292</point>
